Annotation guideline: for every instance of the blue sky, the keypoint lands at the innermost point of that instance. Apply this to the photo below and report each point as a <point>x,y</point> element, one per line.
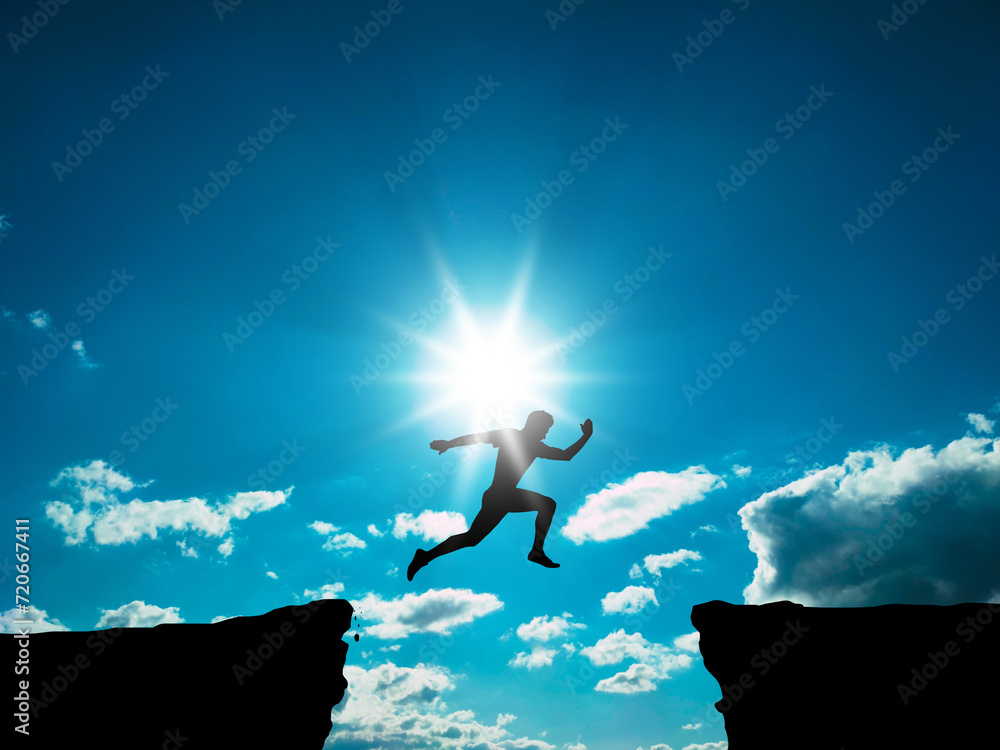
<point>250,253</point>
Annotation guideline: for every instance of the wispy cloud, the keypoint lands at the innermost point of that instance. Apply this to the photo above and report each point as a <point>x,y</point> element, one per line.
<point>620,510</point>
<point>41,622</point>
<point>981,423</point>
<point>431,526</point>
<point>434,611</point>
<point>91,509</point>
<point>81,355</point>
<point>39,319</point>
<point>400,707</point>
<point>138,614</point>
<point>340,541</point>
<point>653,662</point>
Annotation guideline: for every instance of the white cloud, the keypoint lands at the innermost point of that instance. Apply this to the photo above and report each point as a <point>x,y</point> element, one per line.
<point>836,537</point>
<point>742,471</point>
<point>41,622</point>
<point>655,563</point>
<point>91,509</point>
<point>539,657</point>
<point>638,678</point>
<point>373,530</point>
<point>389,706</point>
<point>40,319</point>
<point>226,548</point>
<point>387,649</point>
<point>272,574</point>
<point>620,510</point>
<point>692,727</point>
<point>576,746</point>
<point>220,618</point>
<point>434,611</point>
<point>326,591</point>
<point>185,550</point>
<point>653,662</point>
<point>981,423</point>
<point>545,628</point>
<point>635,571</point>
<point>322,527</point>
<point>81,355</point>
<point>708,528</point>
<point>344,542</point>
<point>432,526</point>
<point>137,614</point>
<point>707,746</point>
<point>629,600</point>
<point>688,642</point>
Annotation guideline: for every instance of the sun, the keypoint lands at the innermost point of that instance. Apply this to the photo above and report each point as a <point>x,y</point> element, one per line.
<point>491,366</point>
<point>482,367</point>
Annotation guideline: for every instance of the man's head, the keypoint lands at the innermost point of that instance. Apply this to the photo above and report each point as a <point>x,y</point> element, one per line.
<point>538,424</point>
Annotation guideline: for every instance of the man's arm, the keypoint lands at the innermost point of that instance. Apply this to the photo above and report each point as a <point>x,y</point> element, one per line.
<point>565,454</point>
<point>477,437</point>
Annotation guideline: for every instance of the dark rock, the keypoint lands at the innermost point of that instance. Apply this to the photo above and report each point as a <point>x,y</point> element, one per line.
<point>264,681</point>
<point>866,677</point>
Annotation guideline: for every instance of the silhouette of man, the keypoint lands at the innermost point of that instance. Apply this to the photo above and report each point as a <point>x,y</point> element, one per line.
<point>518,448</point>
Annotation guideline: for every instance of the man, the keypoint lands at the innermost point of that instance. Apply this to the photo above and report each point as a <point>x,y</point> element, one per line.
<point>518,448</point>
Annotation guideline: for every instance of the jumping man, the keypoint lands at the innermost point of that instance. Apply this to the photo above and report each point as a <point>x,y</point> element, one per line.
<point>518,448</point>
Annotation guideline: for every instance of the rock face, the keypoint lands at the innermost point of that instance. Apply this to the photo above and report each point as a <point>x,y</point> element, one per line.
<point>247,682</point>
<point>868,677</point>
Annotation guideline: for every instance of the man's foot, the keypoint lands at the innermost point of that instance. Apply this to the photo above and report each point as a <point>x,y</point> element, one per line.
<point>541,559</point>
<point>419,561</point>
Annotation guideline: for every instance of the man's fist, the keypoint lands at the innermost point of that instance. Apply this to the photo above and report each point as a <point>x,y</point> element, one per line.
<point>440,446</point>
<point>588,428</point>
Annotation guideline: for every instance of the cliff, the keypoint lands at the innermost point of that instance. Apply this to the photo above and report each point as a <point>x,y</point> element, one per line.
<point>868,677</point>
<point>264,681</point>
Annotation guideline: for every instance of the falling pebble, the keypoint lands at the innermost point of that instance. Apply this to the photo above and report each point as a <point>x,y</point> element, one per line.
<point>357,637</point>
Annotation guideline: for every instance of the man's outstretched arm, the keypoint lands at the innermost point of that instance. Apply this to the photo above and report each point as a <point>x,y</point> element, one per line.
<point>565,454</point>
<point>477,437</point>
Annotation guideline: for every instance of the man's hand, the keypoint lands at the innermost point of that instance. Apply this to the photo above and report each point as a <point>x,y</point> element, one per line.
<point>588,428</point>
<point>440,446</point>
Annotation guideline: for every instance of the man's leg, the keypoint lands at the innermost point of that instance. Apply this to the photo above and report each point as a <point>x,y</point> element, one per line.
<point>484,522</point>
<point>526,500</point>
